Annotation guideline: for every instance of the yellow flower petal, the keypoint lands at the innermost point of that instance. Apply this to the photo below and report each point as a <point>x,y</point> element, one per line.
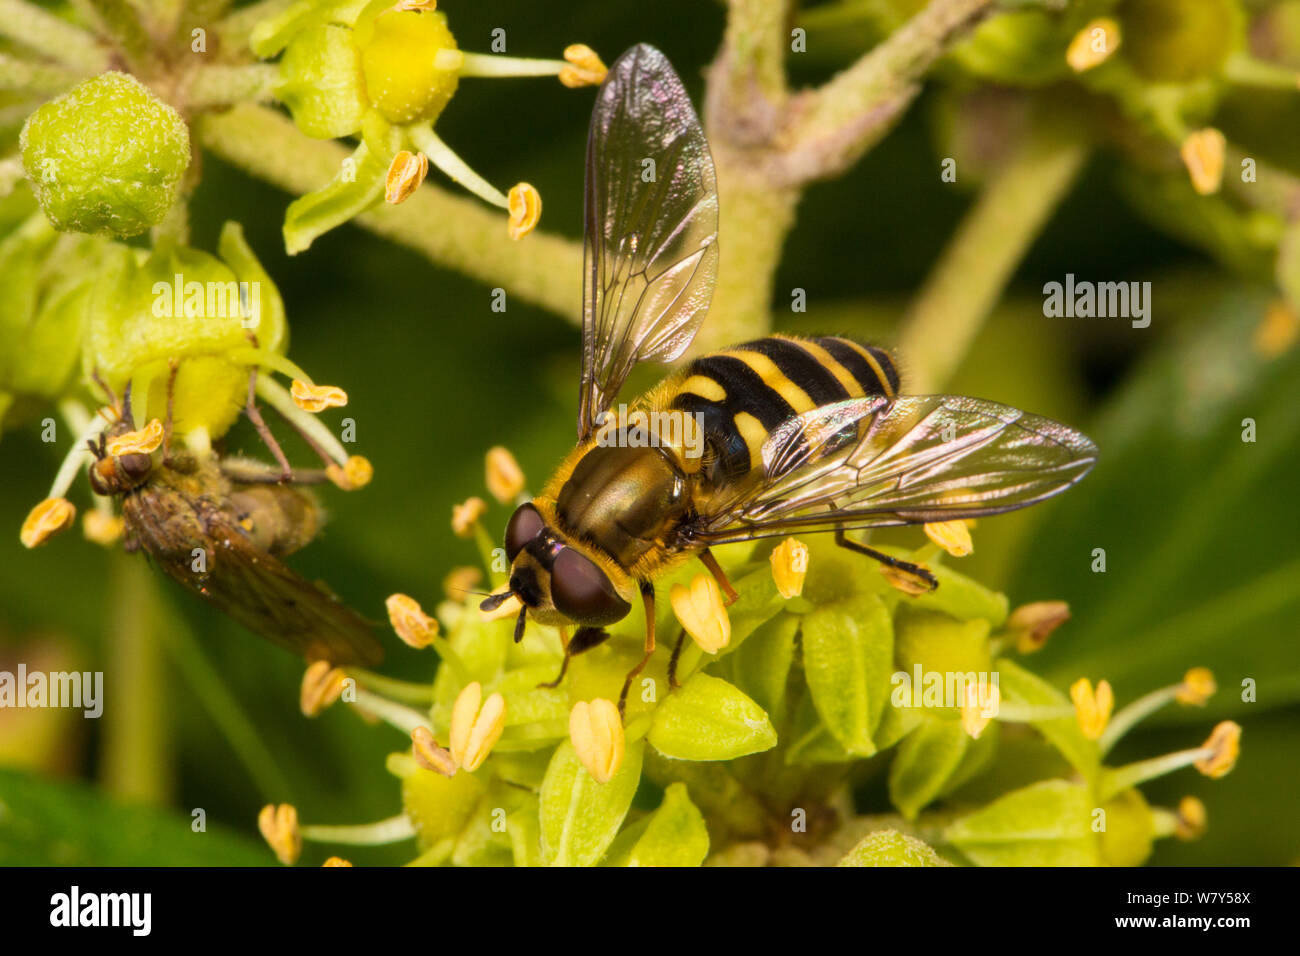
<point>702,613</point>
<point>597,734</point>
<point>317,398</point>
<point>46,520</point>
<point>789,567</point>
<point>524,204</point>
<point>408,619</point>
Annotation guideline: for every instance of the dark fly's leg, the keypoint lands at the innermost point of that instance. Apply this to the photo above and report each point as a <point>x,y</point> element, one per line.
<point>648,598</point>
<point>672,661</point>
<point>172,368</point>
<point>584,640</point>
<point>255,416</point>
<point>843,541</point>
<point>719,575</point>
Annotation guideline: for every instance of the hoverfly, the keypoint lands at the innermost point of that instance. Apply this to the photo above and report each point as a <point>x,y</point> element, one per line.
<point>799,434</point>
<point>220,527</point>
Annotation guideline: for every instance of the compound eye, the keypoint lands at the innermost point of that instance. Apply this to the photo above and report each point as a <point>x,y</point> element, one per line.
<point>525,524</point>
<point>135,466</point>
<point>583,593</point>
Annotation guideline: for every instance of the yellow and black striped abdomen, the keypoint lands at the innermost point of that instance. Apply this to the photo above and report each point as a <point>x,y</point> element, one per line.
<point>744,392</point>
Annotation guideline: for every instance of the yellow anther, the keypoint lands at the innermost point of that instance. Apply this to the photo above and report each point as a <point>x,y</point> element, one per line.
<point>524,204</point>
<point>979,706</point>
<point>465,516</point>
<point>336,861</point>
<point>1224,746</point>
<point>597,734</point>
<point>906,581</point>
<point>1203,154</point>
<point>142,441</point>
<point>317,398</point>
<point>952,536</point>
<point>585,67</point>
<point>412,625</point>
<point>476,726</point>
<point>702,613</point>
<point>1198,686</point>
<point>1192,819</point>
<point>1092,709</point>
<point>279,826</point>
<point>46,520</point>
<point>1093,45</point>
<point>102,527</point>
<point>505,479</point>
<point>1278,330</point>
<point>461,581</point>
<point>405,174</point>
<point>322,684</point>
<point>355,473</point>
<point>430,755</point>
<point>1031,624</point>
<point>790,567</point>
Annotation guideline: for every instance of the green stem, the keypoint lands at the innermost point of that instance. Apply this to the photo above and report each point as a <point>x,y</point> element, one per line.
<point>137,739</point>
<point>234,30</point>
<point>1132,715</point>
<point>391,830</point>
<point>1130,775</point>
<point>980,259</point>
<point>219,85</point>
<point>543,269</point>
<point>408,692</point>
<point>121,23</point>
<point>52,37</point>
<point>398,715</point>
<point>22,76</point>
<point>205,682</point>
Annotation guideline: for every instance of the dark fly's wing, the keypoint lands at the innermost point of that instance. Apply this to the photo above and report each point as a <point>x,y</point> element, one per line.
<point>255,588</point>
<point>650,253</point>
<point>873,462</point>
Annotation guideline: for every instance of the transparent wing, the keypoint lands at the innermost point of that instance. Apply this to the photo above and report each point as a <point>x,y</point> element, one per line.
<point>651,250</point>
<point>871,462</point>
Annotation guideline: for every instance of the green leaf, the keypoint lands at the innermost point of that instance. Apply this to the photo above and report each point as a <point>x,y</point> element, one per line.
<point>580,817</point>
<point>674,835</point>
<point>43,823</point>
<point>709,719</point>
<point>891,848</point>
<point>1046,824</point>
<point>357,187</point>
<point>762,667</point>
<point>926,760</point>
<point>848,651</point>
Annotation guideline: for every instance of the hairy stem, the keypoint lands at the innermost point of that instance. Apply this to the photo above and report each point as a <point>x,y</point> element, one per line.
<point>981,257</point>
<point>46,34</point>
<point>218,85</point>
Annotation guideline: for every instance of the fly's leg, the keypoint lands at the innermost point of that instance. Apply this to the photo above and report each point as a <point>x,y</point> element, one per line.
<point>843,541</point>
<point>647,598</point>
<point>584,640</point>
<point>719,575</point>
<point>255,416</point>
<point>173,367</point>
<point>672,662</point>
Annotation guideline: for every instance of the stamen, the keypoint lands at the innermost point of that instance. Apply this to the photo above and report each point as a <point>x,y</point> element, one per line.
<point>47,519</point>
<point>392,830</point>
<point>278,397</point>
<point>317,398</point>
<point>596,731</point>
<point>702,613</point>
<point>442,156</point>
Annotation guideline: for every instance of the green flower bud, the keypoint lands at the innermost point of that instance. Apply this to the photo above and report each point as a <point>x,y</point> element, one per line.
<point>1130,830</point>
<point>410,62</point>
<point>439,807</point>
<point>106,157</point>
<point>1177,41</point>
<point>321,83</point>
<point>891,848</point>
<point>186,305</point>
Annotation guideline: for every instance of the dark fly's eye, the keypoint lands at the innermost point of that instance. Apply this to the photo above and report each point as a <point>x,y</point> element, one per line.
<point>525,524</point>
<point>583,593</point>
<point>135,466</point>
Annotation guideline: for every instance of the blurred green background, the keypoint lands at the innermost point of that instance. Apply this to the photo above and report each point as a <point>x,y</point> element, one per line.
<point>1199,527</point>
